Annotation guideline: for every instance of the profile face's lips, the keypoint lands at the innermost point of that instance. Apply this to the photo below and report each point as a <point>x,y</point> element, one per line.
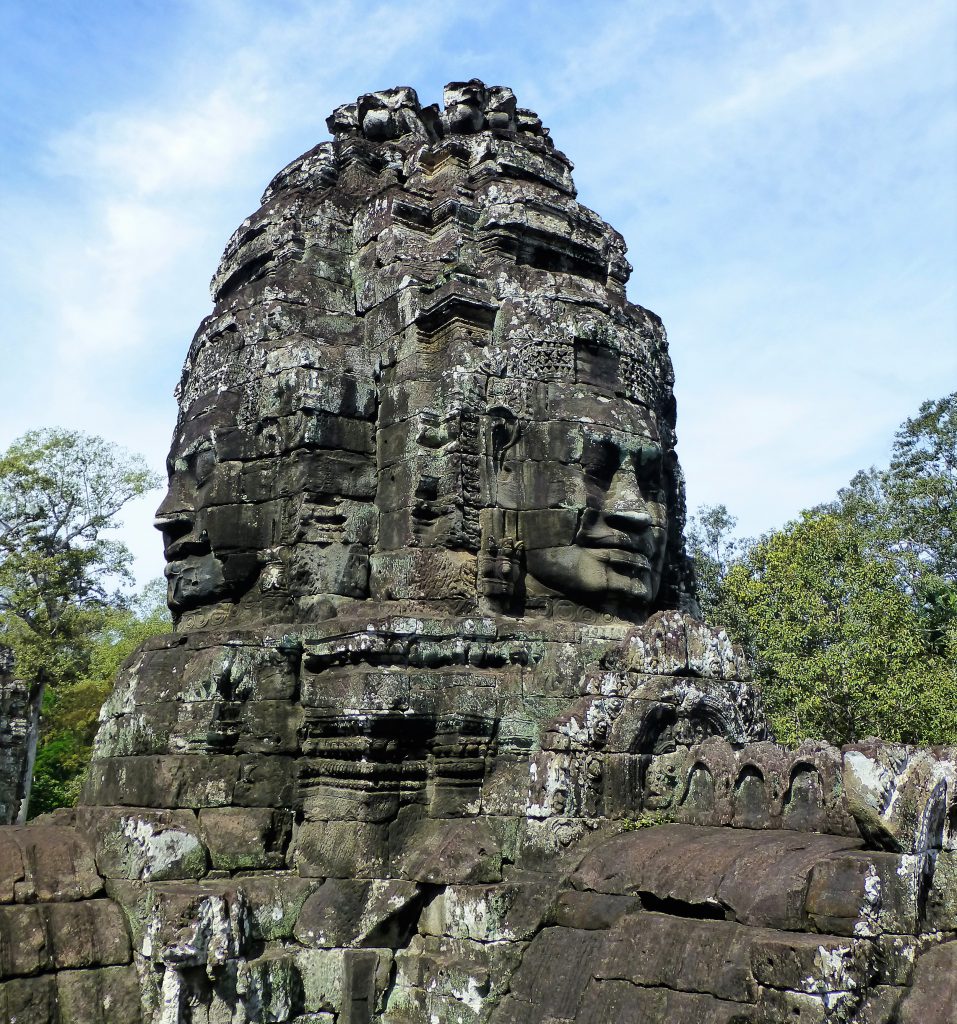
<point>187,548</point>
<point>193,580</point>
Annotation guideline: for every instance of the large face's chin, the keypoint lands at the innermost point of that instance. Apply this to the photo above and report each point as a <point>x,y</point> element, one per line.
<point>195,580</point>
<point>609,578</point>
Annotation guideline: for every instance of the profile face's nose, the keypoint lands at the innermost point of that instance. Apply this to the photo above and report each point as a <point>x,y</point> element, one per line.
<point>171,509</point>
<point>176,520</point>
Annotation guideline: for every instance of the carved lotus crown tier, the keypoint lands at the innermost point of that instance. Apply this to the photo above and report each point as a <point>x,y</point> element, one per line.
<point>436,649</point>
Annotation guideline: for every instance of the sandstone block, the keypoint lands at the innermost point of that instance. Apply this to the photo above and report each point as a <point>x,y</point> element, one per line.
<point>511,911</point>
<point>11,866</point>
<point>57,864</point>
<point>775,1005</point>
<point>622,1002</point>
<point>270,986</point>
<point>810,963</point>
<point>23,944</point>
<point>92,933</point>
<point>275,901</point>
<point>245,838</point>
<point>108,995</point>
<point>333,979</point>
<point>329,917</point>
<point>758,878</point>
<point>590,910</point>
<point>686,955</point>
<point>865,894</point>
<point>942,898</point>
<point>29,1000</point>
<point>139,843</point>
<point>555,970</point>
<point>933,995</point>
<point>340,849</point>
<point>452,852</point>
<point>881,1005</point>
<point>343,912</point>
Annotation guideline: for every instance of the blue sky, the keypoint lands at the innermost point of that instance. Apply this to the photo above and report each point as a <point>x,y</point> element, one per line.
<point>785,174</point>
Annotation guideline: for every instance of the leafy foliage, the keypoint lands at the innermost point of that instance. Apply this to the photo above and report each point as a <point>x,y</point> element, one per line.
<point>60,576</point>
<point>714,550</point>
<point>71,710</point>
<point>850,612</point>
<point>841,646</point>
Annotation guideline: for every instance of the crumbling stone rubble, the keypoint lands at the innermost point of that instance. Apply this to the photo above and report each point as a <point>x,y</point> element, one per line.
<point>439,737</point>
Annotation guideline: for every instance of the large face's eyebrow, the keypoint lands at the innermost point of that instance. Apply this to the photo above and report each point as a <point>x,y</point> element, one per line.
<point>180,463</point>
<point>641,445</point>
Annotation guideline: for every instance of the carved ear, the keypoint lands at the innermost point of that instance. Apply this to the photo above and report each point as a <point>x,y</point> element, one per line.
<point>504,431</point>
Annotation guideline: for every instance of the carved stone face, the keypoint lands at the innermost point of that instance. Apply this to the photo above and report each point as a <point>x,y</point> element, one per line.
<point>613,556</point>
<point>211,549</point>
<point>661,780</point>
<point>422,389</point>
<point>248,516</point>
<point>194,574</point>
<point>590,500</point>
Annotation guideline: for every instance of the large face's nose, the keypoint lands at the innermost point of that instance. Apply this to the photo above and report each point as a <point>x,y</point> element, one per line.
<point>625,507</point>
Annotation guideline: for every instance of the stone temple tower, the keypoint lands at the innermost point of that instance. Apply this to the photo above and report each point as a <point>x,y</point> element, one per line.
<point>439,735</point>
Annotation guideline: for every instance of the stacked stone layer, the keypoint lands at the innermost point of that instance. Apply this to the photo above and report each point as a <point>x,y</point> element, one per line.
<point>15,717</point>
<point>65,951</point>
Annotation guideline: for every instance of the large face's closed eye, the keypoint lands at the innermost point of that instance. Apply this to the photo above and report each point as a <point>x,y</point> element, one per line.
<point>601,457</point>
<point>611,463</point>
<point>602,460</point>
<point>204,462</point>
<point>196,465</point>
<point>649,469</point>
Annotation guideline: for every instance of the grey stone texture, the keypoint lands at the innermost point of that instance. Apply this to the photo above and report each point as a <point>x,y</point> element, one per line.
<point>15,722</point>
<point>439,737</point>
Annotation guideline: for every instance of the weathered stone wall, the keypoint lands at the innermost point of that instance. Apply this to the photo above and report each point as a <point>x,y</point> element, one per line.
<point>65,951</point>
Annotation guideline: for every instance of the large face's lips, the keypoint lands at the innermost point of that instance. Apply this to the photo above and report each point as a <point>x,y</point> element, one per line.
<point>628,563</point>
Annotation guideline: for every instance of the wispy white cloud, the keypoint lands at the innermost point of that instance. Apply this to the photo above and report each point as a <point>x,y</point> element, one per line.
<point>145,176</point>
<point>157,151</point>
<point>104,282</point>
<point>844,49</point>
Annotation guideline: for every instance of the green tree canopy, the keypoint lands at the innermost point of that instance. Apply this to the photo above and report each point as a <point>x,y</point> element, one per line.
<point>71,710</point>
<point>61,492</point>
<point>850,612</point>
<point>714,549</point>
<point>841,646</point>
